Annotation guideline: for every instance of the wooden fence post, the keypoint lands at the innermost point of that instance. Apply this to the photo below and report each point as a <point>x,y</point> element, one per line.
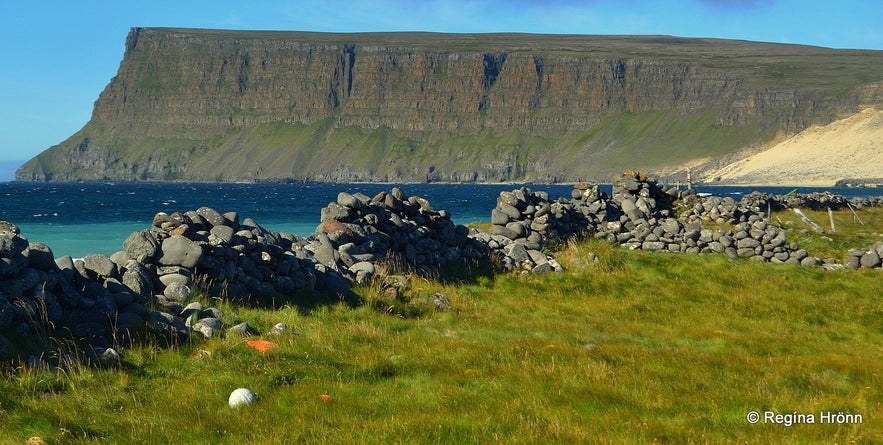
<point>831,217</point>
<point>808,221</point>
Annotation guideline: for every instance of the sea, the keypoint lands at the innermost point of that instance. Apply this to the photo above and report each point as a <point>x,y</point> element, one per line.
<point>79,219</point>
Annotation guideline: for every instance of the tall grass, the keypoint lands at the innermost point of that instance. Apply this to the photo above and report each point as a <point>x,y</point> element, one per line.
<point>851,230</point>
<point>632,347</point>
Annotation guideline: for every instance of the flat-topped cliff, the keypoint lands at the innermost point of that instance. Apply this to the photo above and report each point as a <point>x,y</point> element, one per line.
<point>210,105</point>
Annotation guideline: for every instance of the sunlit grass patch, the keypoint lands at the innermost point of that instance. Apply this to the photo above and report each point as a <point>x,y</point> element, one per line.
<point>852,231</point>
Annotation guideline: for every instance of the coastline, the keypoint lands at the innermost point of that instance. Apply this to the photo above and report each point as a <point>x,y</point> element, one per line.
<point>814,184</point>
<point>64,215</point>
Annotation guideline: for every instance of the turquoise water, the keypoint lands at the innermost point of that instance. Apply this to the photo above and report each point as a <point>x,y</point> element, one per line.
<point>79,240</point>
<point>81,219</point>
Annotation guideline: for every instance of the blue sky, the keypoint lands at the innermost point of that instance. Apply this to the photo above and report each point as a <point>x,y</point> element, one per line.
<point>57,56</point>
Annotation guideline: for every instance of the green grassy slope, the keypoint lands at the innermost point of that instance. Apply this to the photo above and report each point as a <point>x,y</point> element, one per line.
<point>638,347</point>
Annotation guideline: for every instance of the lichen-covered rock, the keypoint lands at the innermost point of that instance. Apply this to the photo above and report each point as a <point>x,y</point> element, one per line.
<point>13,250</point>
<point>101,265</point>
<point>179,250</point>
<point>142,246</point>
<point>177,292</point>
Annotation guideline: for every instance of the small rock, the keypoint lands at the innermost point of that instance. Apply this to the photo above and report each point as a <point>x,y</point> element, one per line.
<point>540,269</point>
<point>499,218</point>
<point>211,312</point>
<point>177,292</point>
<point>503,231</point>
<point>178,250</point>
<point>852,262</point>
<point>192,308</point>
<point>347,200</point>
<point>653,245</point>
<point>799,254</point>
<point>243,329</point>
<point>747,243</point>
<point>138,279</point>
<point>40,257</point>
<point>363,266</point>
<point>870,259</point>
<point>441,302</point>
<point>517,252</point>
<point>207,327</point>
<point>167,279</point>
<point>142,246</point>
<point>109,356</point>
<point>100,264</point>
<point>278,329</point>
<point>169,327</point>
<point>223,233</point>
<point>810,261</point>
<point>509,211</point>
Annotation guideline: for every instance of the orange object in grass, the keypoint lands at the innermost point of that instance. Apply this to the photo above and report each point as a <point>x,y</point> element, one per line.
<point>261,345</point>
<point>326,398</point>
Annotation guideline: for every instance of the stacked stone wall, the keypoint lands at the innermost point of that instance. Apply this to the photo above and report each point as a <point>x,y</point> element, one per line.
<point>148,285</point>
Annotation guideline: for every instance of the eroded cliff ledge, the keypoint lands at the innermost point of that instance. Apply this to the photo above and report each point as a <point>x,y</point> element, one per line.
<point>210,105</point>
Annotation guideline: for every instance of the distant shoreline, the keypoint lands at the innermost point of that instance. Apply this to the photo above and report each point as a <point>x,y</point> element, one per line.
<point>853,183</point>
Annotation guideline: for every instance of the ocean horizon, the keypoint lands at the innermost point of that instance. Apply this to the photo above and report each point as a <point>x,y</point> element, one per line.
<point>8,168</point>
<point>79,219</point>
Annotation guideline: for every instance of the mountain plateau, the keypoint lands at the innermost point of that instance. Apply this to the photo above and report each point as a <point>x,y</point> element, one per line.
<point>220,106</point>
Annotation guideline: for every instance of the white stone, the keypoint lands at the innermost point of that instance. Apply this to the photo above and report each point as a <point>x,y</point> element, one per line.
<point>241,396</point>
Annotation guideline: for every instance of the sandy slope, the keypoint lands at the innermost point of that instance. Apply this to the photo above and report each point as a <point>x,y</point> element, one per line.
<point>847,148</point>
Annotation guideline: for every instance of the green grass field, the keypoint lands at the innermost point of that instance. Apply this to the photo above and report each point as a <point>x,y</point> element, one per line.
<point>635,348</point>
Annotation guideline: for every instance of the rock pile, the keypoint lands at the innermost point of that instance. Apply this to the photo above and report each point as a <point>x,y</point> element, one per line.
<point>869,257</point>
<point>524,222</point>
<point>639,215</point>
<point>529,219</point>
<point>637,209</point>
<point>718,210</point>
<point>357,232</point>
<point>523,216</point>
<point>649,223</point>
<point>93,296</point>
<point>100,296</point>
<point>644,192</point>
<point>760,201</point>
<point>511,254</point>
<point>861,201</point>
<point>233,258</point>
<point>229,258</point>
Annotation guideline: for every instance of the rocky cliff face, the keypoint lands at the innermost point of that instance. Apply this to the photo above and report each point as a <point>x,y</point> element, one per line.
<point>209,105</point>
